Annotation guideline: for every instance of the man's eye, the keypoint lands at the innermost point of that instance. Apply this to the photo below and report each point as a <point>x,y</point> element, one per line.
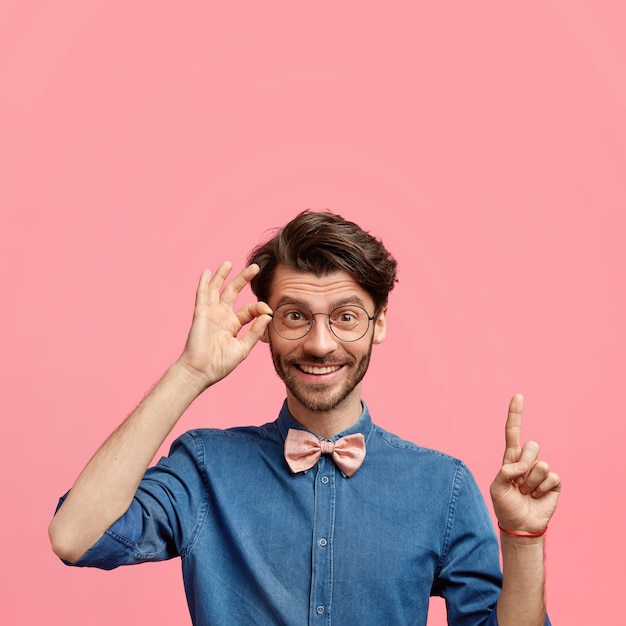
<point>346,317</point>
<point>294,316</point>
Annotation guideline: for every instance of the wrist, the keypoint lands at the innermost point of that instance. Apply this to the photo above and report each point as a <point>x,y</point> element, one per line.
<point>193,380</point>
<point>522,533</point>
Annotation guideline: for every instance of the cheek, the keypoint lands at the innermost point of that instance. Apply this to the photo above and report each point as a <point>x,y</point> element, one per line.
<point>279,346</point>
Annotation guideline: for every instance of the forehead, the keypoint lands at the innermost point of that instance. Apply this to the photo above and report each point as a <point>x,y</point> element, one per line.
<point>290,285</point>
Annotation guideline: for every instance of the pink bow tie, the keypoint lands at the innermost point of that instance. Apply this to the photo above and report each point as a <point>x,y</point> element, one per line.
<point>303,450</point>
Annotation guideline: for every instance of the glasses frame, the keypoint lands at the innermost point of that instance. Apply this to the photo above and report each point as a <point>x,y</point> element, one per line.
<point>370,318</point>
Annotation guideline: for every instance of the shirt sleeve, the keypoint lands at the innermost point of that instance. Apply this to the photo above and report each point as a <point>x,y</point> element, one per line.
<point>469,576</point>
<point>165,513</point>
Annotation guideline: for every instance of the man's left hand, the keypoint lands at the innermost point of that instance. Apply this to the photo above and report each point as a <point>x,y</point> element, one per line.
<point>525,491</point>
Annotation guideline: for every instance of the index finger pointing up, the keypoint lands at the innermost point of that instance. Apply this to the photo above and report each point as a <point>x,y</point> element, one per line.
<point>513,429</point>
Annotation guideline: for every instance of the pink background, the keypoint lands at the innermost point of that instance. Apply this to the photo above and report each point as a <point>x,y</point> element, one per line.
<point>485,143</point>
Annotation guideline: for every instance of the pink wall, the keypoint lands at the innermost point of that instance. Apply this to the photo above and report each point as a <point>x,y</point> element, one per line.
<point>484,144</point>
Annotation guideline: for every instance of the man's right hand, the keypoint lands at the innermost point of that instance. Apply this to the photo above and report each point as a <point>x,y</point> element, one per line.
<point>105,488</point>
<point>213,347</point>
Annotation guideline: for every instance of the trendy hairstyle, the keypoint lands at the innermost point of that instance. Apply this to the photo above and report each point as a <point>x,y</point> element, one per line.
<point>322,243</point>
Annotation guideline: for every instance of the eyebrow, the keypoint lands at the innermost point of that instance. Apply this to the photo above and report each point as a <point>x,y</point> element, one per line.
<point>333,305</point>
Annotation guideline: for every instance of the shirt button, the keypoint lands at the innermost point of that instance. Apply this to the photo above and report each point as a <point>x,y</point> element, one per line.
<point>322,542</point>
<point>324,479</point>
<point>320,610</point>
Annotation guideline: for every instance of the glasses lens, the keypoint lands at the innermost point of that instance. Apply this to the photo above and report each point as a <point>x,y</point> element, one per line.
<point>292,321</point>
<point>349,323</point>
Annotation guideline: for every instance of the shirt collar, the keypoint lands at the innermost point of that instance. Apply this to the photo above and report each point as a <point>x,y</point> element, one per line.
<point>362,425</point>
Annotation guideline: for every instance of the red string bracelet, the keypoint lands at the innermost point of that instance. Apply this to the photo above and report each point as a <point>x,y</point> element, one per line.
<point>530,535</point>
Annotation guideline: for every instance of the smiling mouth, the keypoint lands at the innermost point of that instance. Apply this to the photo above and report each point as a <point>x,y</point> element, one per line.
<point>317,369</point>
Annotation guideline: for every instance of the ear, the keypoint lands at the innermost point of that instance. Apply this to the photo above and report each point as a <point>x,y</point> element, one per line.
<point>265,337</point>
<point>380,327</point>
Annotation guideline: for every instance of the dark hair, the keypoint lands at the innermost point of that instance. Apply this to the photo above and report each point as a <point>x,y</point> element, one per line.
<point>322,243</point>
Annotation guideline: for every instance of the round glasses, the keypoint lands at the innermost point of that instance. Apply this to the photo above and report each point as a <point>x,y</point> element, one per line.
<point>348,323</point>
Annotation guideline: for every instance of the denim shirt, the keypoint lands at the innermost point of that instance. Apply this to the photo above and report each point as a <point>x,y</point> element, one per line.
<point>260,545</point>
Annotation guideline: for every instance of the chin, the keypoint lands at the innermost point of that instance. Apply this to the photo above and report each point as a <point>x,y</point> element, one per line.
<point>319,403</point>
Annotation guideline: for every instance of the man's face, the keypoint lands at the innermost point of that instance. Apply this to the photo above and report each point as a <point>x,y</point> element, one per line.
<point>321,372</point>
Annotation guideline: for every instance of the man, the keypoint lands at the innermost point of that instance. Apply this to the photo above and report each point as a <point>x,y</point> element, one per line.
<point>319,517</point>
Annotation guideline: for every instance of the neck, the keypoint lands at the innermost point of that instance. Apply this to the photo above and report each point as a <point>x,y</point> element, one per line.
<point>326,424</point>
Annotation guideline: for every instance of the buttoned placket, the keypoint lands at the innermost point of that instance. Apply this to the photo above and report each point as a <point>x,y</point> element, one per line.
<point>323,530</point>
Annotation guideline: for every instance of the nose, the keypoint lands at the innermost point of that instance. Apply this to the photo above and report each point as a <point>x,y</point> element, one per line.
<point>320,340</point>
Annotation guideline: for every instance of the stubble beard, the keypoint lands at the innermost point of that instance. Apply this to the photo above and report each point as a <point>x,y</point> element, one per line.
<point>321,398</point>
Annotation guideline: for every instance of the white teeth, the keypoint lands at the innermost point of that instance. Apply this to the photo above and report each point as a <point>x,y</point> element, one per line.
<point>310,369</point>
